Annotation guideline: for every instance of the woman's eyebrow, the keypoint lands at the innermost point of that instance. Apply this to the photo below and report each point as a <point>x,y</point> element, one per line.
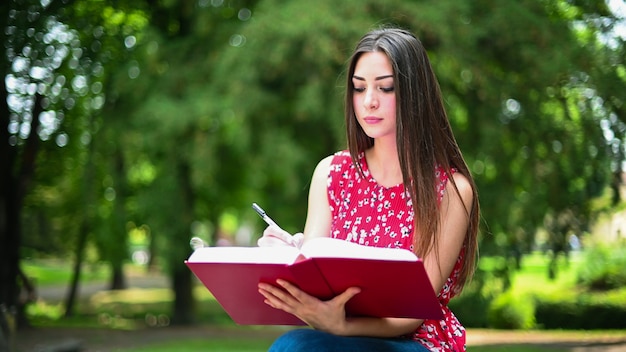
<point>376,79</point>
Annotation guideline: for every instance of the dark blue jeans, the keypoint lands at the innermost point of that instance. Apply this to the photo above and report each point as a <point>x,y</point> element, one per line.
<point>302,340</point>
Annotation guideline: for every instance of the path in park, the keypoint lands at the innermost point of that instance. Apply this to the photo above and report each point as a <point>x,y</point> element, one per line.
<point>106,340</point>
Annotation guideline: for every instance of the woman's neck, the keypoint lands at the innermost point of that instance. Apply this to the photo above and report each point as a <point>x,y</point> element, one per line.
<point>384,164</point>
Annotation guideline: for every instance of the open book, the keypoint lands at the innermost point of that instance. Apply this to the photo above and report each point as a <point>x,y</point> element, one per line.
<point>393,282</point>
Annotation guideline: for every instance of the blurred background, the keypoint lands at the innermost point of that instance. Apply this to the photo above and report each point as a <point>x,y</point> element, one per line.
<point>129,126</point>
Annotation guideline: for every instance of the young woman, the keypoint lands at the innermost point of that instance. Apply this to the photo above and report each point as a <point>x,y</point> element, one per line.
<point>402,183</point>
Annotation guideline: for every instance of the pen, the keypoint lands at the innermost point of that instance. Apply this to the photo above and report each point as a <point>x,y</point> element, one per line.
<point>263,215</point>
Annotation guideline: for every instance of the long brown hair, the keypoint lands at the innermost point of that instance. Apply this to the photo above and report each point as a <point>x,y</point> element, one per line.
<point>424,137</point>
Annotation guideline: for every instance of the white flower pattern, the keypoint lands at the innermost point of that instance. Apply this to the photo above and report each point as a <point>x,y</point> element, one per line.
<point>356,201</point>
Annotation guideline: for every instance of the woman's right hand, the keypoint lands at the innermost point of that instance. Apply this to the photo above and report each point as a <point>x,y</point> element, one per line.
<point>274,236</point>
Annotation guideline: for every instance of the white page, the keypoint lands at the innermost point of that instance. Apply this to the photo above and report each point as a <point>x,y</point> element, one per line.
<point>326,247</point>
<point>272,255</point>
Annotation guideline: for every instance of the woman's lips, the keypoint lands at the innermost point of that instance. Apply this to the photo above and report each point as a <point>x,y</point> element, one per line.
<point>372,119</point>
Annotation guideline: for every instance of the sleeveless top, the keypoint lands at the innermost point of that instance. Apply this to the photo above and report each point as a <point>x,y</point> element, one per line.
<point>367,213</point>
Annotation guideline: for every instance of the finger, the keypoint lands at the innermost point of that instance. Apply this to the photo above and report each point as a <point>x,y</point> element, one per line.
<point>276,232</point>
<point>296,294</point>
<point>344,297</point>
<point>276,297</point>
<point>270,299</point>
<point>281,294</point>
<point>298,239</point>
<point>270,241</point>
<point>273,236</point>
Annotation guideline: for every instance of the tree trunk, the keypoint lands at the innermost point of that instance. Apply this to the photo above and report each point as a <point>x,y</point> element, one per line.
<point>181,276</point>
<point>9,208</point>
<point>152,254</point>
<point>118,280</point>
<point>119,250</point>
<point>184,302</point>
<point>85,228</point>
<point>78,263</point>
<point>16,179</point>
<point>9,212</point>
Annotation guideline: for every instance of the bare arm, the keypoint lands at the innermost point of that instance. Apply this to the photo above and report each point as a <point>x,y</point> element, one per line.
<point>454,222</point>
<point>330,315</point>
<point>318,216</point>
<point>318,213</point>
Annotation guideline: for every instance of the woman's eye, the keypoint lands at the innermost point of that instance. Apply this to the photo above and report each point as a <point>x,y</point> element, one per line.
<point>359,89</point>
<point>387,89</point>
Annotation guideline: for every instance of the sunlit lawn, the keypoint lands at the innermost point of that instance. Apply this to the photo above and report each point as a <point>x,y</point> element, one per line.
<point>132,308</point>
<point>514,348</point>
<point>227,345</point>
<point>45,272</point>
<point>262,346</point>
<point>534,274</point>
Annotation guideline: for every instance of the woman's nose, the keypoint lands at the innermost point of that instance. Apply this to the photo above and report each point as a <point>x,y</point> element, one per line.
<point>371,101</point>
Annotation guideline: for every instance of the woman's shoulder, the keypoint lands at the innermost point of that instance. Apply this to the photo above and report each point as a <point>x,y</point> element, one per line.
<point>462,183</point>
<point>338,157</point>
<point>323,166</point>
<point>464,187</point>
<point>332,162</point>
<point>341,154</point>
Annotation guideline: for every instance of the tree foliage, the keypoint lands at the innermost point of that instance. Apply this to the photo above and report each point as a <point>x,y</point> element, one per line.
<point>521,84</point>
<point>56,54</point>
<point>165,115</point>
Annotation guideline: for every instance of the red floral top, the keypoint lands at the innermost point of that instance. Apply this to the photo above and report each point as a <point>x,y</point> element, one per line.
<point>367,213</point>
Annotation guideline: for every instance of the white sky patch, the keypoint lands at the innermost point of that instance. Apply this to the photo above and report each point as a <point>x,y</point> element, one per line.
<point>619,9</point>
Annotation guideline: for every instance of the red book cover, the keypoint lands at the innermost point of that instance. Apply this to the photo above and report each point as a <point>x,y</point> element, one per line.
<point>389,288</point>
<point>394,287</point>
<point>234,286</point>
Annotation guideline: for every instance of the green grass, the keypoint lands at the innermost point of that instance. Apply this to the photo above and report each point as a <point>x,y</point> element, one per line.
<point>515,348</point>
<point>230,345</point>
<point>533,277</point>
<point>45,272</point>
<point>137,308</point>
<point>127,309</point>
<point>262,346</point>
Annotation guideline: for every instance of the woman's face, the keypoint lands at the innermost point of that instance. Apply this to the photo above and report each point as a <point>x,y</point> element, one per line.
<point>374,97</point>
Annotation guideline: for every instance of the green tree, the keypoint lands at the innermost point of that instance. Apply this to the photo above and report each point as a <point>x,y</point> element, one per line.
<point>51,94</point>
<point>177,112</point>
<point>521,83</point>
<point>182,166</point>
<point>38,49</point>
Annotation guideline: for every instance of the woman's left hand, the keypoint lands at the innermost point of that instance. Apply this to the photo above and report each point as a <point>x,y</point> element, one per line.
<point>329,316</point>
